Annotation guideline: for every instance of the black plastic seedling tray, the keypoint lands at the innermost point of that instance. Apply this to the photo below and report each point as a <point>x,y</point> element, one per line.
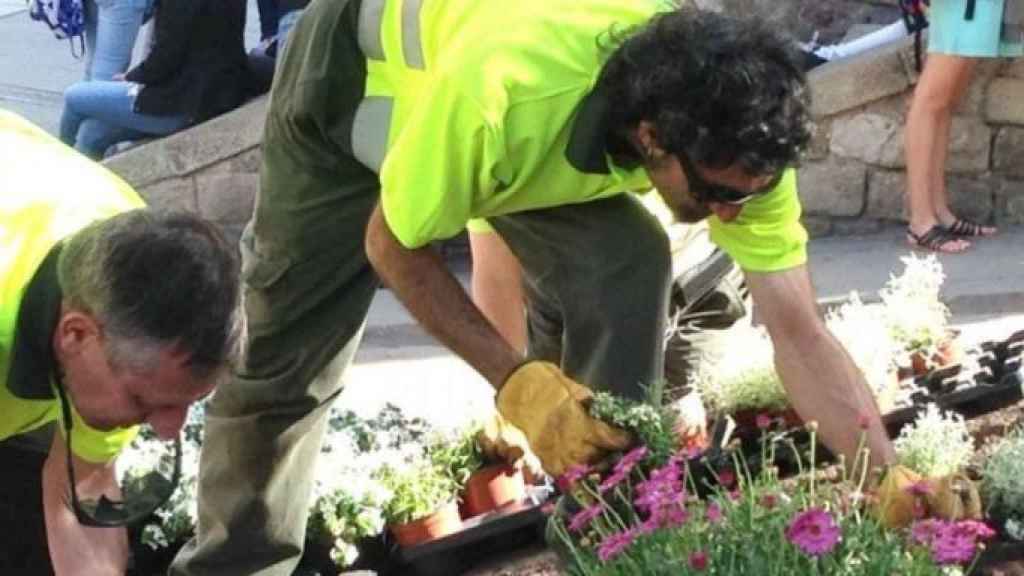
<point>481,537</point>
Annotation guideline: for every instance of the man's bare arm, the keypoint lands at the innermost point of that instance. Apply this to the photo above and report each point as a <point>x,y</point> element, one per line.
<point>821,380</point>
<point>76,549</point>
<point>436,299</point>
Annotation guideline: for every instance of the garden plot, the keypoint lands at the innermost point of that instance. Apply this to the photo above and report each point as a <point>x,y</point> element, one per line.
<point>642,515</point>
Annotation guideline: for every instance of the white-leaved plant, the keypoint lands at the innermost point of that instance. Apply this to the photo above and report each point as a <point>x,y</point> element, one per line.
<point>744,378</point>
<point>935,444</point>
<point>863,330</point>
<point>177,518</point>
<point>919,321</point>
<point>1002,483</point>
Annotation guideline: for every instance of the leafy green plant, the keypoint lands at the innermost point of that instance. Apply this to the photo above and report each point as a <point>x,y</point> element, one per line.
<point>456,454</point>
<point>745,379</point>
<point>1003,480</point>
<point>918,320</point>
<point>343,517</point>
<point>935,444</point>
<point>653,427</point>
<point>416,491</point>
<point>863,330</point>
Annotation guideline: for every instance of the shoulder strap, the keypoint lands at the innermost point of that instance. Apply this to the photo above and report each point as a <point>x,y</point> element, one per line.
<point>969,11</point>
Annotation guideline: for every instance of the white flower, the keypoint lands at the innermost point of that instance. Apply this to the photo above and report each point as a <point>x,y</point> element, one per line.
<point>936,444</point>
<point>917,318</point>
<point>746,378</point>
<point>864,332</point>
<point>1014,529</point>
<point>1003,476</point>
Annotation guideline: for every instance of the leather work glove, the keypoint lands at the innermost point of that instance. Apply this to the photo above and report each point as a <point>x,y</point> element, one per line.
<point>552,411</point>
<point>954,497</point>
<point>500,441</point>
<point>904,496</point>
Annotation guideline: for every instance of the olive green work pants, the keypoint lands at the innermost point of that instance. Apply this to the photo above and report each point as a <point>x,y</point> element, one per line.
<point>597,275</point>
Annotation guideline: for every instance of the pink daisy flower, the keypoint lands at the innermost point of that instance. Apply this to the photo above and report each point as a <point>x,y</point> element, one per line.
<point>814,532</point>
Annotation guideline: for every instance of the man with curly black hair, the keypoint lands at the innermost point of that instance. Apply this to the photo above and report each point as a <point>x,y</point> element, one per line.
<point>391,124</point>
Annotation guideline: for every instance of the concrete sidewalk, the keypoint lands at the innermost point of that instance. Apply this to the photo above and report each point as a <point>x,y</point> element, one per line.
<point>987,280</point>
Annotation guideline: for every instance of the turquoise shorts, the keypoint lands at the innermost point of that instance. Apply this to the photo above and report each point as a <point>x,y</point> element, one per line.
<point>949,33</point>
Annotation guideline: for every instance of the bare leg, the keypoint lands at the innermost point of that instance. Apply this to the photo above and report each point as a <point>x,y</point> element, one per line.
<point>497,286</point>
<point>961,74</point>
<point>927,131</point>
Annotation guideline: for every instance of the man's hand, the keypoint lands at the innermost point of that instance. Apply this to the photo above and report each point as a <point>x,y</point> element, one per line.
<point>551,410</point>
<point>905,496</point>
<point>501,441</point>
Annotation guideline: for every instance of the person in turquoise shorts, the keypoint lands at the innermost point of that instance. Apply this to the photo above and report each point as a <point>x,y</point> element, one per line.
<point>111,315</point>
<point>961,33</point>
<point>392,124</point>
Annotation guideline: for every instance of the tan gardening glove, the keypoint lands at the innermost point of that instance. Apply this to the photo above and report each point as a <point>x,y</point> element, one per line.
<point>904,496</point>
<point>502,442</point>
<point>552,411</point>
<point>954,497</point>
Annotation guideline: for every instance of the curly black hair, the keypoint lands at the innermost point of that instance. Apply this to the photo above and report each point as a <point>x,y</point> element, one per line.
<point>720,90</point>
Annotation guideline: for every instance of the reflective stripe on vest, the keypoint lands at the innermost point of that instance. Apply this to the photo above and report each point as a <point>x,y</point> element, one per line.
<point>370,129</point>
<point>371,16</point>
<point>372,122</point>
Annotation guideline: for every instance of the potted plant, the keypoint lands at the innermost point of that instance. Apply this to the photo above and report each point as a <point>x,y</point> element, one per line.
<point>484,486</point>
<point>744,384</point>
<point>864,332</point>
<point>422,505</point>
<point>342,519</point>
<point>918,319</point>
<point>936,444</point>
<point>1002,485</point>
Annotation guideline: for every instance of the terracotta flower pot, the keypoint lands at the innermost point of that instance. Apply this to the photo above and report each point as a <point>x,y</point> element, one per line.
<point>949,352</point>
<point>491,488</point>
<point>444,521</point>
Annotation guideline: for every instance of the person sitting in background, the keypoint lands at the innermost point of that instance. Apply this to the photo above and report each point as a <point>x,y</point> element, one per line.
<point>111,29</point>
<point>196,70</point>
<point>263,58</point>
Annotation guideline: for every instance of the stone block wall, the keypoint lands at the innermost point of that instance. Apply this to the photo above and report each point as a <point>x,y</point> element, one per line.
<point>212,168</point>
<point>852,180</point>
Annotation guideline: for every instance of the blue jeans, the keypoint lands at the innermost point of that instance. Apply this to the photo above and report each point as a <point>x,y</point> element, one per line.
<point>111,27</point>
<point>104,112</point>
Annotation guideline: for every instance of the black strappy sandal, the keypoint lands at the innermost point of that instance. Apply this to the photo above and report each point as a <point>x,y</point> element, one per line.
<point>964,228</point>
<point>934,239</point>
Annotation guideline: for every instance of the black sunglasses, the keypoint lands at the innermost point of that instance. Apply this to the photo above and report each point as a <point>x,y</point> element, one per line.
<point>150,493</point>
<point>704,191</point>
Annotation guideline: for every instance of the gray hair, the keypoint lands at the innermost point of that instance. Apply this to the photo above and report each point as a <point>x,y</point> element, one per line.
<point>154,280</point>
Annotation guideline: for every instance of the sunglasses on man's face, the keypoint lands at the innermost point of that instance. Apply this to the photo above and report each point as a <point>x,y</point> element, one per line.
<point>705,192</point>
<point>147,493</point>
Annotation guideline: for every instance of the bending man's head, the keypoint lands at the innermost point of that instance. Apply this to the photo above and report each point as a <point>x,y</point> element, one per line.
<point>151,317</point>
<point>724,96</point>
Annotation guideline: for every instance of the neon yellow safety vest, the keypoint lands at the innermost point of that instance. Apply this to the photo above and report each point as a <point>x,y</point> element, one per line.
<point>479,108</point>
<point>47,192</point>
